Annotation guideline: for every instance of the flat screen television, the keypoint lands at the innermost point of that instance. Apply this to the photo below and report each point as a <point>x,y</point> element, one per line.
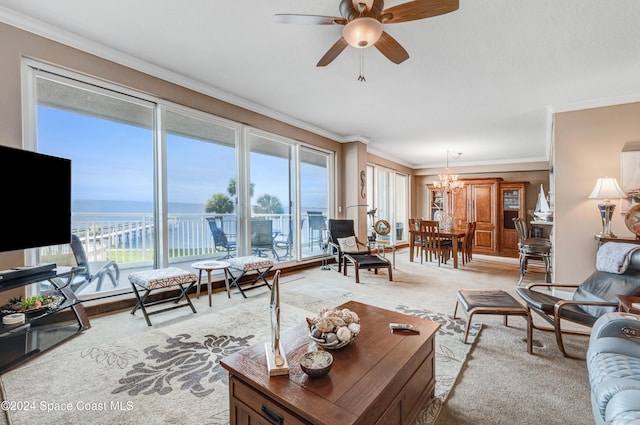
<point>36,199</point>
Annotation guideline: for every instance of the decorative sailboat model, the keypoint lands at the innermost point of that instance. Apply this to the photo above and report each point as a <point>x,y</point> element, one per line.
<point>543,211</point>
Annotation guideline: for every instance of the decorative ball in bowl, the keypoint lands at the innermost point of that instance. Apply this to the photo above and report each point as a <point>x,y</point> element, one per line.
<point>316,363</point>
<point>333,329</point>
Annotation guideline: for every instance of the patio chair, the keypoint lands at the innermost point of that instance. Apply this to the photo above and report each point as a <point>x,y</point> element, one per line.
<point>84,277</point>
<point>285,242</point>
<point>317,224</point>
<point>262,238</point>
<point>220,240</point>
<point>592,298</point>
<point>342,229</point>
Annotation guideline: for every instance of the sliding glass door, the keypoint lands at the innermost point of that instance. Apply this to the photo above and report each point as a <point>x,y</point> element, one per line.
<point>388,194</point>
<point>315,205</point>
<point>271,187</point>
<point>202,221</point>
<point>109,138</point>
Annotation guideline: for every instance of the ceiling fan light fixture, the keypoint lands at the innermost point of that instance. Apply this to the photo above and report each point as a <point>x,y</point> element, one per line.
<point>362,32</point>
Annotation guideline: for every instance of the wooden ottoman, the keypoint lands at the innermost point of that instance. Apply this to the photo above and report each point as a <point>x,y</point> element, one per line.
<point>366,261</point>
<point>148,280</point>
<point>482,301</point>
<point>244,265</point>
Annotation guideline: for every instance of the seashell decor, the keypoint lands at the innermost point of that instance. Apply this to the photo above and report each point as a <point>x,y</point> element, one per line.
<point>334,329</point>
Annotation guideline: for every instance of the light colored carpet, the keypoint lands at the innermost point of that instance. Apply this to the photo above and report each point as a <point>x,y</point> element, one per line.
<point>171,374</point>
<point>500,383</point>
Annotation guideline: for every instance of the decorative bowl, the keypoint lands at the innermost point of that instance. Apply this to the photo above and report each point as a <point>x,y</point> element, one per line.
<point>316,363</point>
<point>334,329</point>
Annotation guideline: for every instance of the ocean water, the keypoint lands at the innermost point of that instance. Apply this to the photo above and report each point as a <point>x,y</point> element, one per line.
<point>99,206</point>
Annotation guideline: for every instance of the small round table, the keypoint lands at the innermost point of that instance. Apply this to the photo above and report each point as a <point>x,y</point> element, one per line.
<point>209,266</point>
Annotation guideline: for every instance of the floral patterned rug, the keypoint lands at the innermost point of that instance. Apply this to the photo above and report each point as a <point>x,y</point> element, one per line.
<point>172,376</point>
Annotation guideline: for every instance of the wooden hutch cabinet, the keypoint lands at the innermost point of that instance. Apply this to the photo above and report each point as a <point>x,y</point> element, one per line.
<point>493,204</point>
<point>512,205</point>
<point>478,201</point>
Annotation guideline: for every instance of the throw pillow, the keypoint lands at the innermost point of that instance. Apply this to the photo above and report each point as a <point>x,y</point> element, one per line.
<point>348,244</point>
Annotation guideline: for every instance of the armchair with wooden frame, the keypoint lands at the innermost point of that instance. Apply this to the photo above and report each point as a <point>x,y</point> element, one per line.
<point>339,229</point>
<point>591,299</point>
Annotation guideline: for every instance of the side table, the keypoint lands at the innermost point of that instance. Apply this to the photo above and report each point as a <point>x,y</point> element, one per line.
<point>209,266</point>
<point>380,247</point>
<point>625,303</point>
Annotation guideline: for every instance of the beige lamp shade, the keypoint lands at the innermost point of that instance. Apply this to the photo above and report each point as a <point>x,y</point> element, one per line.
<point>607,188</point>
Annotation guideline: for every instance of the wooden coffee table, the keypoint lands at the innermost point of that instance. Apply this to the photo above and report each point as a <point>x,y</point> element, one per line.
<point>625,303</point>
<point>380,378</point>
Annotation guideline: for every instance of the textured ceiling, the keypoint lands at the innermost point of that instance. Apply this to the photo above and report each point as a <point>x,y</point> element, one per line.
<point>482,80</point>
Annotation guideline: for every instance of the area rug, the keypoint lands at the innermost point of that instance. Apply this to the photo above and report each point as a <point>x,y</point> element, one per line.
<point>172,376</point>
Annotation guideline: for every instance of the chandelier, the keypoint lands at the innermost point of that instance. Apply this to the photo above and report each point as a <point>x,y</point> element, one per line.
<point>448,183</point>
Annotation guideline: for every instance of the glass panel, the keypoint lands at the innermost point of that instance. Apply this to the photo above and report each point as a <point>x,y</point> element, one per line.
<point>201,189</point>
<point>270,165</point>
<point>109,139</point>
<point>383,201</point>
<point>511,199</point>
<point>401,212</point>
<point>314,200</point>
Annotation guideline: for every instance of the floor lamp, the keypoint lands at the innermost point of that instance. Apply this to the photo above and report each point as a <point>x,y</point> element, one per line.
<point>606,188</point>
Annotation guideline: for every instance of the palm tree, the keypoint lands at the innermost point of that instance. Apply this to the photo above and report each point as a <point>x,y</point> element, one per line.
<point>268,204</point>
<point>219,203</point>
<point>232,188</point>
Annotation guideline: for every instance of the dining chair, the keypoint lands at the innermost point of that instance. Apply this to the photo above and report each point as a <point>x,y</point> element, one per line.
<point>532,249</point>
<point>432,244</point>
<point>414,232</point>
<point>465,246</point>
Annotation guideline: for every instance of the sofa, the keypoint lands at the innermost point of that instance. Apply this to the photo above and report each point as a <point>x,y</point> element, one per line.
<point>613,362</point>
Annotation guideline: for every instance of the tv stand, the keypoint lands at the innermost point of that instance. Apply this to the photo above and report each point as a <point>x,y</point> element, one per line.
<point>19,343</point>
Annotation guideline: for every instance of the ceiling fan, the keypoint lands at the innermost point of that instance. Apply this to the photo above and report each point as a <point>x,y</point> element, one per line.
<point>363,20</point>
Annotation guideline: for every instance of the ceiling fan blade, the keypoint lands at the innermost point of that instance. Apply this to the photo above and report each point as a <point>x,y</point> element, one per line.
<point>333,52</point>
<point>286,18</point>
<point>389,47</point>
<point>418,9</point>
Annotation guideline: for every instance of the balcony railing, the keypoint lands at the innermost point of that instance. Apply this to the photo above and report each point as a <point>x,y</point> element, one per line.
<point>128,238</point>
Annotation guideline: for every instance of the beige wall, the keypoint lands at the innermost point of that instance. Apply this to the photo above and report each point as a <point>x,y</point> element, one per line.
<point>355,162</point>
<point>587,145</point>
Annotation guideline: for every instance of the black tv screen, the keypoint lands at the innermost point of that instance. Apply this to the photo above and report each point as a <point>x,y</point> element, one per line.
<point>36,199</point>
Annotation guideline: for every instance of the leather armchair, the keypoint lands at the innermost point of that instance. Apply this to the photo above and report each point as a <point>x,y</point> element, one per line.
<point>591,299</point>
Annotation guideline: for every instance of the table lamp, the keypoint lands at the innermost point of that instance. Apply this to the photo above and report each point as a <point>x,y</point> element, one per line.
<point>606,188</point>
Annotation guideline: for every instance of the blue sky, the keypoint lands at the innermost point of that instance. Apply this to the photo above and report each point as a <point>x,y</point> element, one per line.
<point>112,161</point>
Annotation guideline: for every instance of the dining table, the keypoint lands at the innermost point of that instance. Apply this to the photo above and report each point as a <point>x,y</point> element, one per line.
<point>454,234</point>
